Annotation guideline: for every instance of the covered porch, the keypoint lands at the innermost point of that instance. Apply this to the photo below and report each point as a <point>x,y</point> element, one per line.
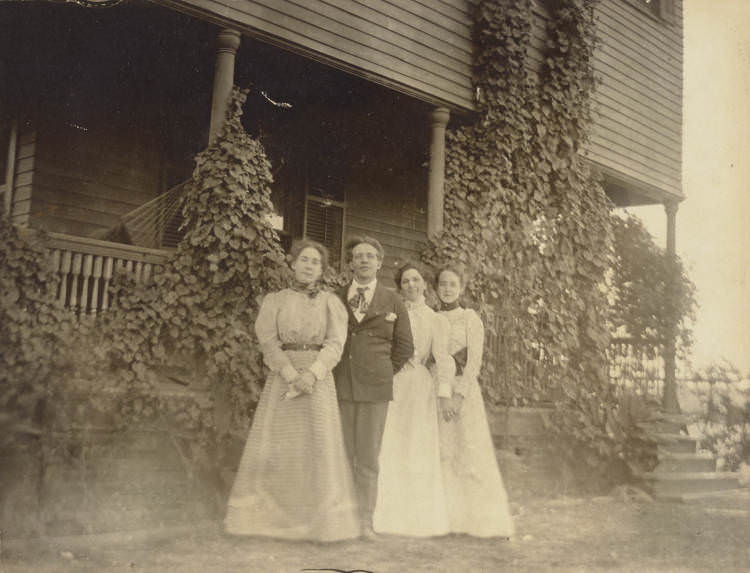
<point>107,108</point>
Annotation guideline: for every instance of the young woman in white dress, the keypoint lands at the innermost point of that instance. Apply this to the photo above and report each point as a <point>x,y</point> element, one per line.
<point>476,499</point>
<point>294,479</point>
<point>411,500</point>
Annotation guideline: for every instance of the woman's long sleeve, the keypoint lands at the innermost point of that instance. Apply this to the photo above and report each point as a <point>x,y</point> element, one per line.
<point>445,367</point>
<point>266,329</point>
<point>335,337</point>
<point>475,348</point>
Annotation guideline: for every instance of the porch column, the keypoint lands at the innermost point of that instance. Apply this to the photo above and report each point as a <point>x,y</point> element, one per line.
<point>436,178</point>
<point>669,399</point>
<point>227,43</point>
<point>10,171</point>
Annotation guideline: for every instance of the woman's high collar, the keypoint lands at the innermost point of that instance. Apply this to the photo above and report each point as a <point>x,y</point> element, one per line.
<point>448,306</point>
<point>414,304</point>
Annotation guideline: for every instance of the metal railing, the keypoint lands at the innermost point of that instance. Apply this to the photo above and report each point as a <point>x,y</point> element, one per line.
<point>637,366</point>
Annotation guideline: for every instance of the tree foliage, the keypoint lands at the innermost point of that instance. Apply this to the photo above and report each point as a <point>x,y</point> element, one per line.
<point>652,291</point>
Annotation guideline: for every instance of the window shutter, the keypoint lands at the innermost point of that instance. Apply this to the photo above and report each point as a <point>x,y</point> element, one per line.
<point>324,222</point>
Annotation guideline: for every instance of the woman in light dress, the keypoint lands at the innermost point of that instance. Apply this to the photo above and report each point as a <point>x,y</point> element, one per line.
<point>411,500</point>
<point>294,479</point>
<point>475,495</point>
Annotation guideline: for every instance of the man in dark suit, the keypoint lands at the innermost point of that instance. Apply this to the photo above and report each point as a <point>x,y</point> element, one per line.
<point>378,344</point>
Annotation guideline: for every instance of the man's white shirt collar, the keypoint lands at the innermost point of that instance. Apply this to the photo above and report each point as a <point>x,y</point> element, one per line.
<point>368,294</point>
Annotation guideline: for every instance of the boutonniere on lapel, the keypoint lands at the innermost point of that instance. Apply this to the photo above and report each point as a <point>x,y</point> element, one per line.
<point>390,317</point>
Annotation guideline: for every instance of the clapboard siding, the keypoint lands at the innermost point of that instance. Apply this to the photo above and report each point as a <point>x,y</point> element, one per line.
<point>420,48</point>
<point>638,102</point>
<point>84,182</point>
<point>663,117</point>
<point>638,105</point>
<point>430,42</point>
<point>611,114</point>
<point>611,134</point>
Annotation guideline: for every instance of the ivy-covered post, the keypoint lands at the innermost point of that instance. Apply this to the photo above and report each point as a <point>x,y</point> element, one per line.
<point>669,399</point>
<point>227,43</point>
<point>436,179</point>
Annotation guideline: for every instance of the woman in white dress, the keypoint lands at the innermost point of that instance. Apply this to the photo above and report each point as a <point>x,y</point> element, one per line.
<point>294,479</point>
<point>476,499</point>
<point>411,500</point>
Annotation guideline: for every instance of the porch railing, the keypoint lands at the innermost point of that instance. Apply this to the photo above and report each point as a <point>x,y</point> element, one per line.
<point>86,267</point>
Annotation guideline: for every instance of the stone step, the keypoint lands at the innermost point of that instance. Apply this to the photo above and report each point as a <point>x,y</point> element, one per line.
<point>728,499</point>
<point>671,423</point>
<point>676,443</point>
<point>679,483</point>
<point>677,462</point>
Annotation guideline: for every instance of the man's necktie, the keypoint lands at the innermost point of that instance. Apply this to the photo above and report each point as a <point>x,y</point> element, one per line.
<point>357,302</point>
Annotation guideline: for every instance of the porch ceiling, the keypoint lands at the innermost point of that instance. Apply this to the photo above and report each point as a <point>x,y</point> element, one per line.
<point>626,191</point>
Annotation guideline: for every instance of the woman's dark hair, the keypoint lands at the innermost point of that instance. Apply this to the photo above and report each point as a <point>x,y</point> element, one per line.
<point>301,244</point>
<point>358,240</point>
<point>456,269</point>
<point>420,268</point>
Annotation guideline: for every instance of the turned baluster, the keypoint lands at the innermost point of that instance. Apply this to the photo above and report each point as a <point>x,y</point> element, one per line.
<point>75,271</point>
<point>138,268</point>
<point>88,263</point>
<point>97,277</point>
<point>107,276</point>
<point>56,267</point>
<point>147,267</point>
<point>64,271</point>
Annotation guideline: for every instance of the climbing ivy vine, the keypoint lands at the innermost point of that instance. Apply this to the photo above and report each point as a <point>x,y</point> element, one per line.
<point>34,330</point>
<point>520,193</point>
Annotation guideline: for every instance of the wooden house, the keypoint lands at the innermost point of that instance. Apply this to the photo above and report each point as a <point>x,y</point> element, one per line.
<point>104,109</point>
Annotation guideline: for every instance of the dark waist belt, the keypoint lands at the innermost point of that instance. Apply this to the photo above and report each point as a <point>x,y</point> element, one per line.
<point>294,346</point>
<point>461,358</point>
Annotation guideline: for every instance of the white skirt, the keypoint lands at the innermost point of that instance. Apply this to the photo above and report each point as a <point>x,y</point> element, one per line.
<point>411,500</point>
<point>475,494</point>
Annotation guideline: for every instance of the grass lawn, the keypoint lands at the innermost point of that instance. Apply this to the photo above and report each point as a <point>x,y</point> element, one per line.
<point>563,534</point>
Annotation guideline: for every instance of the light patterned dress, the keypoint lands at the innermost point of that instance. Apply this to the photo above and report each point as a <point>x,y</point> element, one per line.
<point>294,479</point>
<point>411,500</point>
<point>476,498</point>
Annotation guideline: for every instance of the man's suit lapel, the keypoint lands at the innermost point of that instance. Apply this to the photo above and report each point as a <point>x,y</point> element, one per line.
<point>344,295</point>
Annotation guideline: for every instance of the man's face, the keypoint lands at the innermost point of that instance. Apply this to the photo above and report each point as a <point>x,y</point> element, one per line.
<point>365,262</point>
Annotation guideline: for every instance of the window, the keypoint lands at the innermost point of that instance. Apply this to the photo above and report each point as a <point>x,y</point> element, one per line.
<point>661,9</point>
<point>654,6</point>
<point>324,222</point>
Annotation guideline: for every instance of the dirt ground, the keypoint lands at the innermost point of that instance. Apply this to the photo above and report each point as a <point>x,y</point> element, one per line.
<point>612,533</point>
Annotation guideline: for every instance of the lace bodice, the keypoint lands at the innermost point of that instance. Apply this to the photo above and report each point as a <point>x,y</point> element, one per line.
<point>466,331</point>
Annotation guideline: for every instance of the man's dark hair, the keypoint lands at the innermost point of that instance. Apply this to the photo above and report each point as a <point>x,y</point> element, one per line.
<point>363,239</point>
